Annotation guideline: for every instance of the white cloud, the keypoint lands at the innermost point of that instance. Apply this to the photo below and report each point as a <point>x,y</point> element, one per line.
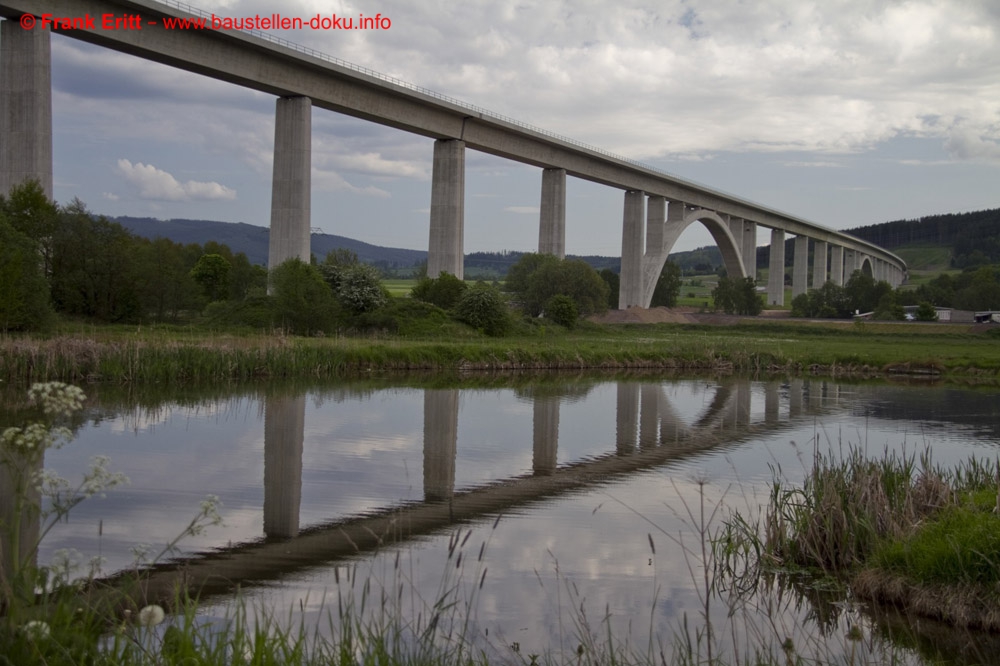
<point>159,185</point>
<point>522,210</point>
<point>110,196</point>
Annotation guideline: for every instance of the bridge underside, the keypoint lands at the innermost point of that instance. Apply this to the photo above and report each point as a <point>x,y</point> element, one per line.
<point>302,82</point>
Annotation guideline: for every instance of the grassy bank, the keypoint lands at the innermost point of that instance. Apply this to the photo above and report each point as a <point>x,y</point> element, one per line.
<point>175,354</point>
<point>900,533</point>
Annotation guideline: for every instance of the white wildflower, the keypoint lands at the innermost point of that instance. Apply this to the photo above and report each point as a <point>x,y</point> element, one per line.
<point>36,630</point>
<point>57,398</point>
<point>151,615</point>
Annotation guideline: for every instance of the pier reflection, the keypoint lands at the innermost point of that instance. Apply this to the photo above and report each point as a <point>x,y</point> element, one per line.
<point>651,429</point>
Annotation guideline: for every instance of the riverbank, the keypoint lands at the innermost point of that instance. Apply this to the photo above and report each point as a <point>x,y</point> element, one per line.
<point>757,347</point>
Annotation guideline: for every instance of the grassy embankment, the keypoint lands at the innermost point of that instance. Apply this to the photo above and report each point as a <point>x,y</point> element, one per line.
<point>190,354</point>
<point>899,533</point>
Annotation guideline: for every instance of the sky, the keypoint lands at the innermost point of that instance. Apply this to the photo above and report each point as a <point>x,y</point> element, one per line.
<point>842,112</point>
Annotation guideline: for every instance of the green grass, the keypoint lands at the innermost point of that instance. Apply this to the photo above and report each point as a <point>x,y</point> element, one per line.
<point>150,354</point>
<point>925,258</point>
<point>399,287</point>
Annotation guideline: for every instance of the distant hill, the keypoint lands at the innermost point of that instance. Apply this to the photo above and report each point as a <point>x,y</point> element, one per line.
<point>973,238</point>
<point>253,240</point>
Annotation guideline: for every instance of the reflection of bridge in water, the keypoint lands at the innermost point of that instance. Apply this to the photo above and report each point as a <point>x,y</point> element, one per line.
<point>650,432</point>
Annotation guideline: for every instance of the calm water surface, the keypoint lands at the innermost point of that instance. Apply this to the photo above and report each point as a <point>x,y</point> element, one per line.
<point>562,493</point>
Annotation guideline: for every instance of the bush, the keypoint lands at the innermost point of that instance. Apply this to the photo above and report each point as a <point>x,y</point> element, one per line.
<point>536,278</point>
<point>360,289</point>
<point>483,307</point>
<point>443,291</point>
<point>24,292</point>
<point>562,310</point>
<point>304,303</point>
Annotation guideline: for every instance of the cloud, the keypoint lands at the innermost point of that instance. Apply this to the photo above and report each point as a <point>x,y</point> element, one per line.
<point>332,181</point>
<point>966,144</point>
<point>522,210</point>
<point>159,185</point>
<point>110,196</point>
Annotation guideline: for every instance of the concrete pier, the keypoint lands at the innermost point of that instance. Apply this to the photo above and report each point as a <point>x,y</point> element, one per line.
<point>800,266</point>
<point>445,254</point>
<point>656,218</point>
<point>819,264</point>
<point>736,229</point>
<point>750,248</point>
<point>284,432</point>
<point>545,434</point>
<point>25,107</point>
<point>440,443</point>
<point>552,213</point>
<point>626,417</point>
<point>772,402</point>
<point>630,284</point>
<point>850,264</point>
<point>837,264</point>
<point>776,269</point>
<point>291,185</point>
<point>649,416</point>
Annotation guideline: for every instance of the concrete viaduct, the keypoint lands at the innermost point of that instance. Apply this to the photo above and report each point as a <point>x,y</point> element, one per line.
<point>657,206</point>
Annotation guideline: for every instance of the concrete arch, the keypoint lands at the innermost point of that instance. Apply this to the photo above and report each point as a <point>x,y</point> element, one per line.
<point>866,267</point>
<point>732,255</point>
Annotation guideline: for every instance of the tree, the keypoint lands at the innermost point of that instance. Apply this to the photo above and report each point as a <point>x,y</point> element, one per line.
<point>335,263</point>
<point>94,267</point>
<point>737,296</point>
<point>536,278</point>
<point>304,303</point>
<point>163,279</point>
<point>668,286</point>
<point>482,306</point>
<point>443,291</point>
<point>613,280</point>
<point>926,312</point>
<point>24,292</point>
<point>360,289</point>
<point>30,212</point>
<point>562,310</point>
<point>212,275</point>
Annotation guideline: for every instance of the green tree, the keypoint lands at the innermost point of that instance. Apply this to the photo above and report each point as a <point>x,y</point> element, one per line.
<point>613,280</point>
<point>304,303</point>
<point>163,279</point>
<point>926,312</point>
<point>212,275</point>
<point>29,211</point>
<point>536,278</point>
<point>335,263</point>
<point>737,296</point>
<point>668,286</point>
<point>24,291</point>
<point>562,310</point>
<point>93,267</point>
<point>483,307</point>
<point>360,289</point>
<point>443,291</point>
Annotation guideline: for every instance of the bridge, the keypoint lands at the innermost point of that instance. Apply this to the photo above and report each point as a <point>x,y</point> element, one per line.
<point>657,206</point>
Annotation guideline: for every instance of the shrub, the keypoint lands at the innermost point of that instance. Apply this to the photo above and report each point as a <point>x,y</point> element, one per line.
<point>304,303</point>
<point>483,307</point>
<point>360,289</point>
<point>536,278</point>
<point>443,291</point>
<point>562,310</point>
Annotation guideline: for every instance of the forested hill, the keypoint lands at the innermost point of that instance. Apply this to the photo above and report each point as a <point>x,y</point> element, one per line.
<point>974,238</point>
<point>252,240</point>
